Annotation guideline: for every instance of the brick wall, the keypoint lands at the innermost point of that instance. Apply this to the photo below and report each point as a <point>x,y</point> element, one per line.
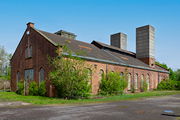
<point>154,76</point>
<point>42,48</point>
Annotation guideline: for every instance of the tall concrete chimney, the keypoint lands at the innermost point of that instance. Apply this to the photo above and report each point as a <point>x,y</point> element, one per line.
<point>119,40</point>
<point>145,48</point>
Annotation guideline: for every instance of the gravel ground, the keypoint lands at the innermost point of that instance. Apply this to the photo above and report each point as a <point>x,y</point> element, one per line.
<point>143,109</point>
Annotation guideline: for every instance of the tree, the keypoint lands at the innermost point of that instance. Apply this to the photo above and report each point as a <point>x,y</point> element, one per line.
<point>177,73</point>
<point>163,65</point>
<point>4,64</point>
<point>2,59</point>
<point>173,83</point>
<point>172,74</point>
<point>69,75</point>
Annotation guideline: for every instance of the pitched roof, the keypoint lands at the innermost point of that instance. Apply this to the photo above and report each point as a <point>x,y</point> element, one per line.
<point>76,46</point>
<point>112,48</point>
<point>98,51</point>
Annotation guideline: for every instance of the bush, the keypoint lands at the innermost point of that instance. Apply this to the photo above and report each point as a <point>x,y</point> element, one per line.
<point>70,76</point>
<point>112,84</point>
<point>42,89</point>
<point>33,88</point>
<point>71,85</point>
<point>169,85</point>
<point>144,86</point>
<point>20,88</point>
<point>177,85</point>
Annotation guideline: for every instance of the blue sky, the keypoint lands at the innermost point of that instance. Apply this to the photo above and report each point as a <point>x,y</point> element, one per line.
<point>96,20</point>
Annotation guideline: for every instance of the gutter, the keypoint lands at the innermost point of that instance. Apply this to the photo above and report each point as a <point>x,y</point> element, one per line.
<point>115,63</point>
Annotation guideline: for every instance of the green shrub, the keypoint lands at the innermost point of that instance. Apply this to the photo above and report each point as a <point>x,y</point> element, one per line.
<point>33,88</point>
<point>20,88</point>
<point>72,85</point>
<point>42,89</point>
<point>169,85</point>
<point>123,83</point>
<point>144,86</point>
<point>70,76</point>
<point>112,83</point>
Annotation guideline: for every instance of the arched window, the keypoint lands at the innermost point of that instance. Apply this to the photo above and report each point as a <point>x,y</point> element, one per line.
<point>18,77</point>
<point>136,81</point>
<point>101,72</point>
<point>142,80</point>
<point>41,75</point>
<point>129,81</point>
<point>89,72</point>
<point>152,81</point>
<point>160,78</point>
<point>148,81</point>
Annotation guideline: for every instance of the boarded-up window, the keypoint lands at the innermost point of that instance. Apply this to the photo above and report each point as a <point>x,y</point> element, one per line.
<point>148,81</point>
<point>101,72</point>
<point>41,75</point>
<point>136,81</point>
<point>152,81</point>
<point>29,74</point>
<point>28,52</point>
<point>18,78</point>
<point>89,72</point>
<point>129,81</point>
<point>142,80</point>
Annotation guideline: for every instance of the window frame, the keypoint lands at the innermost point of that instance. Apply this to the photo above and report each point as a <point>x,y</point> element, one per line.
<point>142,80</point>
<point>101,72</point>
<point>89,71</point>
<point>129,81</point>
<point>148,81</point>
<point>41,72</point>
<point>18,78</point>
<point>136,81</point>
<point>28,52</point>
<point>29,71</point>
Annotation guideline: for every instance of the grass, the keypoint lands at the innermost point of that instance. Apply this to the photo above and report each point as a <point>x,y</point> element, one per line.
<point>11,96</point>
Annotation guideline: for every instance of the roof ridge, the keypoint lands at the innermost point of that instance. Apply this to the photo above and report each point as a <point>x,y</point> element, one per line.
<point>64,37</point>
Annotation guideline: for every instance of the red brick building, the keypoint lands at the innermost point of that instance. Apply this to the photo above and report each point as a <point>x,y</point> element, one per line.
<point>30,62</point>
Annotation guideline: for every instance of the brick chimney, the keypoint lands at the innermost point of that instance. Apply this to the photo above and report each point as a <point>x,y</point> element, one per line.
<point>145,48</point>
<point>30,24</point>
<point>119,40</point>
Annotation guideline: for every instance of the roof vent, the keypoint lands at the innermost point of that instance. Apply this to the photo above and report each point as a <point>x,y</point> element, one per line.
<point>66,34</point>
